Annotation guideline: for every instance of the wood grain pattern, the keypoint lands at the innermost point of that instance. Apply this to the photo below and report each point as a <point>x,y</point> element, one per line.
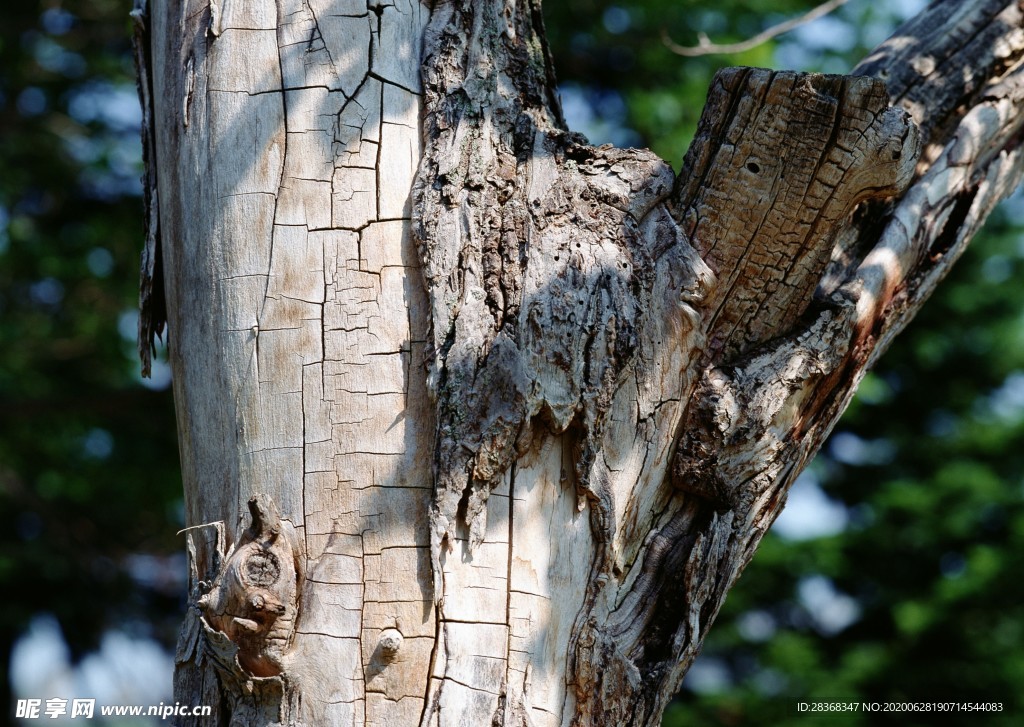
<point>528,405</point>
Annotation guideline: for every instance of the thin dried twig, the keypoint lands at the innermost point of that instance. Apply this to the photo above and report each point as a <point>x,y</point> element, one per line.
<point>705,47</point>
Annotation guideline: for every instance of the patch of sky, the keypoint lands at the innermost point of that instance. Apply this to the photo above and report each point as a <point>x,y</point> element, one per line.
<point>794,55</point>
<point>124,670</point>
<point>875,31</point>
<point>53,57</point>
<point>848,448</point>
<point>757,626</point>
<point>128,325</point>
<point>116,106</point>
<point>1013,209</point>
<point>165,574</point>
<point>84,149</point>
<point>581,42</point>
<point>125,159</point>
<point>997,269</point>
<point>101,184</point>
<point>905,9</point>
<point>1006,403</point>
<point>810,513</point>
<point>111,157</point>
<point>160,375</point>
<point>875,22</point>
<point>33,202</point>
<point>830,610</point>
<point>818,45</point>
<point>708,675</point>
<point>827,33</point>
<point>600,115</point>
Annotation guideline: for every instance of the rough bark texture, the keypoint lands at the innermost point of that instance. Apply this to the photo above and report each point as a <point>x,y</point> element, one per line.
<point>513,412</point>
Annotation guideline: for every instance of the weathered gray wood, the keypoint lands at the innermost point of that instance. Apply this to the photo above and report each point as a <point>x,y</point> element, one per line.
<point>525,406</point>
<point>799,153</point>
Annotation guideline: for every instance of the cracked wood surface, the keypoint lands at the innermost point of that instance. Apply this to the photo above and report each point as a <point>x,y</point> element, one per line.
<point>527,405</point>
<point>288,141</point>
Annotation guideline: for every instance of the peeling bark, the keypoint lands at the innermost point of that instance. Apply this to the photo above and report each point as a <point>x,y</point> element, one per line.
<point>152,314</point>
<point>540,253</point>
<point>512,411</point>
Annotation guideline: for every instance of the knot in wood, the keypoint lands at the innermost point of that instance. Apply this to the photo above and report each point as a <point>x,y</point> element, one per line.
<point>390,642</point>
<point>253,600</point>
<point>262,568</point>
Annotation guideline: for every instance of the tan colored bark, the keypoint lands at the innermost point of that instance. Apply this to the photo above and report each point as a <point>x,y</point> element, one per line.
<point>524,406</point>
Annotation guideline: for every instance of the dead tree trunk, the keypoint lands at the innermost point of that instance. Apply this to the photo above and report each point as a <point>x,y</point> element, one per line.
<point>479,423</point>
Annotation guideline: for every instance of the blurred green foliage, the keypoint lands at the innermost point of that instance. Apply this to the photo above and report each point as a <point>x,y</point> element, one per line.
<point>913,593</point>
<point>88,459</point>
<point>615,52</point>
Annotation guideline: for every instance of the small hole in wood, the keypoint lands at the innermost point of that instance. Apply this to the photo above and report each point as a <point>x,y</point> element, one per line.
<point>754,167</point>
<point>896,155</point>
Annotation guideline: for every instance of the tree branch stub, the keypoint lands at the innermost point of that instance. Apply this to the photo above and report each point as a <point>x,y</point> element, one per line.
<point>254,599</point>
<point>779,161</point>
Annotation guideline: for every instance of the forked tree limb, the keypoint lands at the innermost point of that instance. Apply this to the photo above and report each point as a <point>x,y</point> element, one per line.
<point>627,369</point>
<point>760,219</point>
